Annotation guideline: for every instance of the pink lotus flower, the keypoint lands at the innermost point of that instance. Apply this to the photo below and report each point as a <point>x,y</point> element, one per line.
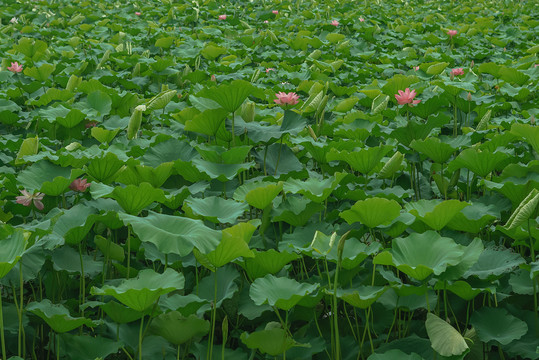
<point>416,68</point>
<point>138,13</point>
<point>269,69</point>
<point>452,33</point>
<point>266,21</point>
<point>335,23</point>
<point>79,185</point>
<point>361,19</point>
<point>275,12</point>
<point>406,97</point>
<point>286,99</point>
<point>26,199</point>
<point>222,17</point>
<point>457,72</point>
<point>15,67</point>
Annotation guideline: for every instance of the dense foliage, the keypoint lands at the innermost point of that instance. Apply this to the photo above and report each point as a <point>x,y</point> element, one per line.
<point>267,179</point>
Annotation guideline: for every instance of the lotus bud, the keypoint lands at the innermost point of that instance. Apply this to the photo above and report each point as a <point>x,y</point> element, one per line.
<point>469,97</point>
<point>213,78</point>
<point>136,70</point>
<point>472,64</point>
<point>451,76</point>
<point>311,132</point>
<point>224,328</point>
<point>248,111</point>
<point>135,121</point>
<point>532,120</point>
<point>73,82</point>
<point>340,247</point>
<point>255,76</point>
<point>187,70</point>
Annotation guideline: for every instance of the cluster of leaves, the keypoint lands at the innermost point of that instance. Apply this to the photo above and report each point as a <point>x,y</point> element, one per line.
<point>221,225</point>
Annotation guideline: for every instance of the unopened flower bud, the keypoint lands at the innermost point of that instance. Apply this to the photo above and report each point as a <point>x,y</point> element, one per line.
<point>532,120</point>
<point>311,132</point>
<point>452,76</point>
<point>472,64</point>
<point>469,97</point>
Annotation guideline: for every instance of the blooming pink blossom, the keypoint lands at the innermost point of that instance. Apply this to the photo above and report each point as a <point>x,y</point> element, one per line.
<point>138,13</point>
<point>335,23</point>
<point>361,19</point>
<point>79,185</point>
<point>286,99</point>
<point>275,12</point>
<point>222,17</point>
<point>416,68</point>
<point>15,67</point>
<point>406,97</point>
<point>266,21</point>
<point>457,72</point>
<point>26,199</point>
<point>452,33</point>
<point>269,69</point>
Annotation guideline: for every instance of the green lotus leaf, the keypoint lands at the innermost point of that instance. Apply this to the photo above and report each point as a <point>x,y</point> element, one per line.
<point>472,219</point>
<point>208,122</point>
<point>258,194</point>
<point>354,253</point>
<point>40,73</point>
<point>414,130</point>
<point>273,341</point>
<point>363,160</point>
<point>395,354</point>
<point>493,263</point>
<point>13,246</point>
<point>225,277</point>
<point>460,288</point>
<point>29,146</point>
<point>420,255</point>
<point>280,292</point>
<point>361,297</point>
<point>133,199</point>
<point>398,82</point>
<point>88,347</point>
<point>372,212</point>
<point>105,169</point>
<point>178,329</point>
<point>472,252</point>
<point>216,209</point>
<point>435,213</point>
<point>444,338</point>
<point>235,244</point>
<point>296,211</point>
<point>314,188</point>
<point>104,136</point>
<point>143,291</point>
<point>435,149</point>
<point>496,324</point>
<point>173,234</point>
<point>267,262</point>
<point>479,162</point>
<point>57,316</point>
<point>119,313</point>
<point>47,178</point>
<point>529,132</point>
<point>231,96</point>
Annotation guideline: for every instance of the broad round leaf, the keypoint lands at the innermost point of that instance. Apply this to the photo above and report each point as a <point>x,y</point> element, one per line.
<point>496,324</point>
<point>143,291</point>
<point>444,338</point>
<point>282,292</point>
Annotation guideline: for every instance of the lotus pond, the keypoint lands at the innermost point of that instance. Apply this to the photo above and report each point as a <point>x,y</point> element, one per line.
<point>269,180</point>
